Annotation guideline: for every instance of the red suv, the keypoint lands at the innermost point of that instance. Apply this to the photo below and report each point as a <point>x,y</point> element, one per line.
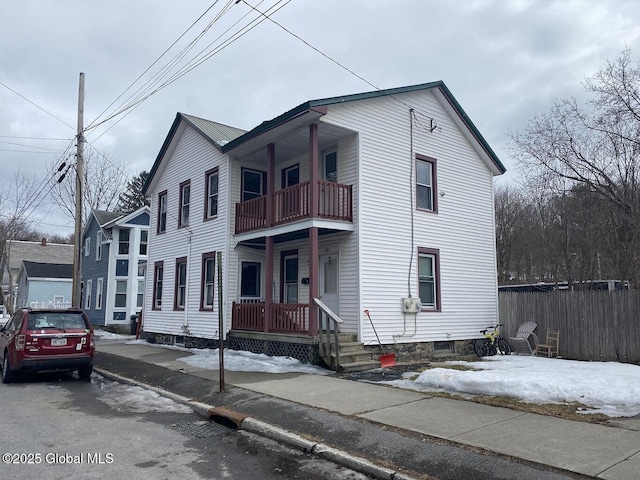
<point>46,340</point>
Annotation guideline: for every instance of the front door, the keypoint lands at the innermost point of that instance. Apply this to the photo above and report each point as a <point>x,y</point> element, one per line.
<point>329,282</point>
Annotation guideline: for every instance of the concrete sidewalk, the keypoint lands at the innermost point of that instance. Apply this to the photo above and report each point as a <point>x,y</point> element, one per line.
<point>390,424</point>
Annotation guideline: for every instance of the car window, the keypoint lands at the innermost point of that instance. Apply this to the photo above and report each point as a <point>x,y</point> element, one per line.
<point>15,321</point>
<point>57,321</point>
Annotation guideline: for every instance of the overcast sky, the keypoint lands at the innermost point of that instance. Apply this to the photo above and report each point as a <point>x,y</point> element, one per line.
<point>504,60</point>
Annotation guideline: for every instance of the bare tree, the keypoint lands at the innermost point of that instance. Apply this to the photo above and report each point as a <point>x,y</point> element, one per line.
<point>16,201</point>
<point>598,146</point>
<point>104,181</point>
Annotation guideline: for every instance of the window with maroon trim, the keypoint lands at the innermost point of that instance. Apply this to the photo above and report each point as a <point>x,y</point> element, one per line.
<point>207,280</point>
<point>211,194</point>
<point>180,285</point>
<point>185,200</point>
<point>162,212</point>
<point>289,276</point>
<point>426,184</point>
<point>429,278</point>
<point>158,272</point>
<point>254,184</point>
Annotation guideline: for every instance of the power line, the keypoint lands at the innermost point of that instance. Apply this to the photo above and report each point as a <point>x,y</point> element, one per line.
<point>327,56</point>
<point>154,62</point>
<point>36,105</point>
<point>200,58</point>
<point>35,138</point>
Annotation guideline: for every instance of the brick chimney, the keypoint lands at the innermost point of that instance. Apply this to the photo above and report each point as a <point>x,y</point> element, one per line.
<point>43,243</point>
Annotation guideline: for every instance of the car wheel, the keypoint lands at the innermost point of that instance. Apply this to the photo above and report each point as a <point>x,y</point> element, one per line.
<point>84,373</point>
<point>8,376</point>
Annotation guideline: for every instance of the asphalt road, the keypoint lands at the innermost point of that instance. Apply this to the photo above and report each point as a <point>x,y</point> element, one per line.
<point>59,427</point>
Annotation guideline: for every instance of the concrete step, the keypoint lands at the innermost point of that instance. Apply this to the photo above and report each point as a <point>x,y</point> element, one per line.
<point>346,347</point>
<point>359,366</point>
<point>350,357</point>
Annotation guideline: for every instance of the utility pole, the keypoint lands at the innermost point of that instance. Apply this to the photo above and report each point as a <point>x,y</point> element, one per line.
<point>77,250</point>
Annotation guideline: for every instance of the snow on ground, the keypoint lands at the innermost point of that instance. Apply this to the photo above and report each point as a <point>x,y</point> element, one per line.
<point>103,334</point>
<point>610,388</point>
<point>136,399</point>
<point>240,361</point>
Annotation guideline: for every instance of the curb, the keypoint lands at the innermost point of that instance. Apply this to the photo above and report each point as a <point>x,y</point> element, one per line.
<point>237,420</point>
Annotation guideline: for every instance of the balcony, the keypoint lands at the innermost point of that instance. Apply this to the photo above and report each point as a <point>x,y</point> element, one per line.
<point>335,202</point>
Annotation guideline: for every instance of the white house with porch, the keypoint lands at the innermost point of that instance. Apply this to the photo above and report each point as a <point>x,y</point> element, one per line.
<point>380,201</point>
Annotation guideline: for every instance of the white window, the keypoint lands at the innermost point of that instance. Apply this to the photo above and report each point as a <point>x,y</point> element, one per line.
<point>144,240</point>
<point>121,294</point>
<point>87,297</point>
<point>98,246</point>
<point>87,246</point>
<point>123,241</point>
<point>99,294</point>
<point>140,299</point>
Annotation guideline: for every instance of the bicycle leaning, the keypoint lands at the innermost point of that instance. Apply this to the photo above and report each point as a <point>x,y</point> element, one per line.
<point>492,343</point>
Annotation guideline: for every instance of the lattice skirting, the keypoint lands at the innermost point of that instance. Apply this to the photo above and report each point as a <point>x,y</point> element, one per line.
<point>304,353</point>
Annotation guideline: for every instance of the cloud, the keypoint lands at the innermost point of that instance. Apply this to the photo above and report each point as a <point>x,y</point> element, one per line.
<point>505,61</point>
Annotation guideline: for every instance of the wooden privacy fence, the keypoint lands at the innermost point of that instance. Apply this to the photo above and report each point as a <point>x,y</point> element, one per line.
<point>594,325</point>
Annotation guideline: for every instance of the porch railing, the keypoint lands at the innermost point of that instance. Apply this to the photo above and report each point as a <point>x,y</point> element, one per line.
<point>335,202</point>
<point>251,214</point>
<point>329,333</point>
<point>285,317</point>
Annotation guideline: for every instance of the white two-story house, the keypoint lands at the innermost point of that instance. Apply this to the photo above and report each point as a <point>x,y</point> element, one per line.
<point>380,201</point>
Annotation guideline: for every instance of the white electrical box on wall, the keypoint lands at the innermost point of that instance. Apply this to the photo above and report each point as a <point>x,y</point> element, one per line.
<point>411,305</point>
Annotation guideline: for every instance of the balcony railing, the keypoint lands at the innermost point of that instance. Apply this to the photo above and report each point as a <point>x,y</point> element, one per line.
<point>285,317</point>
<point>335,202</point>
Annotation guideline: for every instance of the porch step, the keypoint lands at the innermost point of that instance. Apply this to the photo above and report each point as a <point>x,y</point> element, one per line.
<point>360,366</point>
<point>353,356</point>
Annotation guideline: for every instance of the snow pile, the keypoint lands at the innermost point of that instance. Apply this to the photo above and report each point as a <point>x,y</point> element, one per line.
<point>610,388</point>
<point>241,361</point>
<point>136,399</point>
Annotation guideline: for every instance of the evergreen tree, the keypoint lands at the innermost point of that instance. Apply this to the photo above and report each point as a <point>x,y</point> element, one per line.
<point>132,198</point>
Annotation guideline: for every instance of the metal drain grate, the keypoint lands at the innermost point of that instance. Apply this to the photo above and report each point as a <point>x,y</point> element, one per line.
<point>202,429</point>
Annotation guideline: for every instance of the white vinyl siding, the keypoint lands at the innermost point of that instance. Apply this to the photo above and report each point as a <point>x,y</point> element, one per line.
<point>191,158</point>
<point>462,230</point>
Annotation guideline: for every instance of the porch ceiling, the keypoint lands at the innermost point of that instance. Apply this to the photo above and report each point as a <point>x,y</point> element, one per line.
<point>259,243</point>
<point>291,139</point>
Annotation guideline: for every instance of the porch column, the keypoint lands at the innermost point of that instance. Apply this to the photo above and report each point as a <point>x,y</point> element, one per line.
<point>268,288</point>
<point>268,251</point>
<point>271,173</point>
<point>313,170</point>
<point>313,280</point>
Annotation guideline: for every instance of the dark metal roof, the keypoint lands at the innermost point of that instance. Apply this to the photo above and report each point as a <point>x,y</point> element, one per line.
<point>318,104</point>
<point>48,270</point>
<point>227,138</point>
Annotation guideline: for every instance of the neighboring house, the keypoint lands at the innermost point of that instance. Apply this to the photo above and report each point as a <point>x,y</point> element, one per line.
<point>41,252</point>
<point>380,201</point>
<point>44,284</point>
<point>114,258</point>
